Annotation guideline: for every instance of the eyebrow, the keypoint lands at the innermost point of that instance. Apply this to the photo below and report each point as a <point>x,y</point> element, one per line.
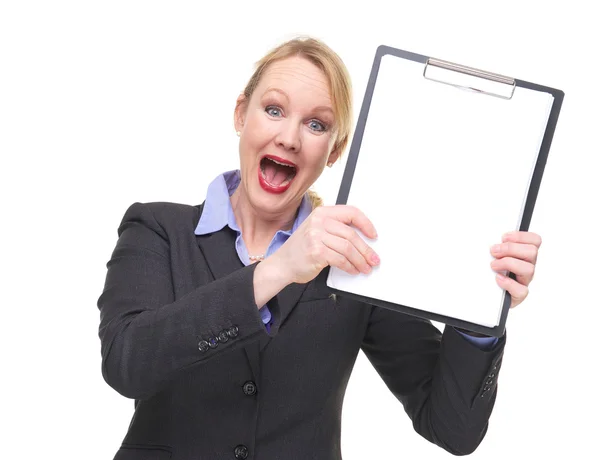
<point>321,108</point>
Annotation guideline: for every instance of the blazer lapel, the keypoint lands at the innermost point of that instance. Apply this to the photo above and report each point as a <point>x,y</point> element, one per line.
<point>219,250</point>
<point>287,299</point>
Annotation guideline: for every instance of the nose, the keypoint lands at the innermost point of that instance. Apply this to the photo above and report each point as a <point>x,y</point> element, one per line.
<point>289,136</point>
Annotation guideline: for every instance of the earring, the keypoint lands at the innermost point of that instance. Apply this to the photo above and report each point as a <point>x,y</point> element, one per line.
<point>238,133</point>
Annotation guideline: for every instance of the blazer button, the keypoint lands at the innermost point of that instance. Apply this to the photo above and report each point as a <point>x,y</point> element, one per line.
<point>213,342</point>
<point>223,337</point>
<point>249,388</point>
<point>203,346</point>
<point>233,331</point>
<point>241,452</point>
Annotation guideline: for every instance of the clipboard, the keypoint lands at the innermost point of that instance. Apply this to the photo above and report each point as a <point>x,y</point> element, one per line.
<point>445,159</point>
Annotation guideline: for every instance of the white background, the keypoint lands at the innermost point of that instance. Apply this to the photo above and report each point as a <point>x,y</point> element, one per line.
<point>106,103</point>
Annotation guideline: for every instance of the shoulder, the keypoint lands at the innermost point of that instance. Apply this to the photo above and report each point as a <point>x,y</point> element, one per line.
<point>162,217</point>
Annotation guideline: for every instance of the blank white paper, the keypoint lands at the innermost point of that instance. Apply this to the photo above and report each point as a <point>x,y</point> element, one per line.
<point>442,173</point>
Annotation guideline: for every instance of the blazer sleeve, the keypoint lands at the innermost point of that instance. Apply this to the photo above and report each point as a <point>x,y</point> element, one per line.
<point>446,384</point>
<point>147,337</point>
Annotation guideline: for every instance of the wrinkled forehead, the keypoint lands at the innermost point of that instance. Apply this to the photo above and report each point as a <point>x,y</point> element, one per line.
<point>299,78</point>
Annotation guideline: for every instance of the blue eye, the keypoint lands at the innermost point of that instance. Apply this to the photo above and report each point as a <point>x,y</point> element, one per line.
<point>317,126</point>
<point>273,111</point>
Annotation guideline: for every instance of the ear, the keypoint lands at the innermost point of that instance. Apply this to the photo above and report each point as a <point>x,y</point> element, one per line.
<point>335,154</point>
<point>239,114</point>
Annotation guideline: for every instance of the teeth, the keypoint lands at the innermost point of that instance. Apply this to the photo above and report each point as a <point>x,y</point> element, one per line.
<point>282,164</point>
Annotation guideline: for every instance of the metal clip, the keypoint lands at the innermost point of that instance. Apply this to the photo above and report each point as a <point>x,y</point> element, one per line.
<point>473,73</point>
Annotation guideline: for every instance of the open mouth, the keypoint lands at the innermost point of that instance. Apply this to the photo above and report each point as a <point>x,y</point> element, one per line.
<point>276,174</point>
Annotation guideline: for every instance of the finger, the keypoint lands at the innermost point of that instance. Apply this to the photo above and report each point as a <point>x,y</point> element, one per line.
<point>523,270</point>
<point>351,215</point>
<point>523,237</point>
<point>523,251</point>
<point>335,259</point>
<point>346,249</point>
<point>517,291</point>
<point>337,228</point>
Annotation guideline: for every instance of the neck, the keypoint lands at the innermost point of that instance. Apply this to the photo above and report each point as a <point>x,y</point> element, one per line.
<point>257,226</point>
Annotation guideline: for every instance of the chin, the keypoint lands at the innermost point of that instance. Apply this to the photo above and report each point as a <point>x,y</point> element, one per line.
<point>273,201</point>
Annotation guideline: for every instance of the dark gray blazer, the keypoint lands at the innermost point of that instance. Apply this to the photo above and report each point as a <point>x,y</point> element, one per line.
<point>181,334</point>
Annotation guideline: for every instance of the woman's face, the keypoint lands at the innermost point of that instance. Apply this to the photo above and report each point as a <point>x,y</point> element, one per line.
<point>287,132</point>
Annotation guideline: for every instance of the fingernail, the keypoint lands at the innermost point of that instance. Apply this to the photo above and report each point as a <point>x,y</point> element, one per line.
<point>500,277</point>
<point>375,259</point>
<point>496,248</point>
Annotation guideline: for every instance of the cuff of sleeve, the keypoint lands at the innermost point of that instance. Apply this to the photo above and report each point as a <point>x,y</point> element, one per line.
<point>272,326</point>
<point>484,343</point>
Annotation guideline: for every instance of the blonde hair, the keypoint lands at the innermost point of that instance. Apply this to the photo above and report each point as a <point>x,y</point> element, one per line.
<point>340,85</point>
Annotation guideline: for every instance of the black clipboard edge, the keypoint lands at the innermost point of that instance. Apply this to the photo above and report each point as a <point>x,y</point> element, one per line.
<point>344,192</point>
<point>536,178</point>
<point>497,331</point>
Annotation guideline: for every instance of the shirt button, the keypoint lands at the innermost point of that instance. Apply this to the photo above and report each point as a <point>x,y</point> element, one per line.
<point>203,346</point>
<point>223,337</point>
<point>249,388</point>
<point>213,342</point>
<point>241,452</point>
<point>233,331</point>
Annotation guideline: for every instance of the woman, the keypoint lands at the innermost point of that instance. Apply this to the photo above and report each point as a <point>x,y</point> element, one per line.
<point>214,318</point>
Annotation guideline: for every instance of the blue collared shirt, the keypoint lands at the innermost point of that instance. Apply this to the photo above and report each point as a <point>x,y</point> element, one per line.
<point>218,213</point>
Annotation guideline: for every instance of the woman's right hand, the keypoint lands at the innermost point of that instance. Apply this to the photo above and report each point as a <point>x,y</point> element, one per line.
<point>327,238</point>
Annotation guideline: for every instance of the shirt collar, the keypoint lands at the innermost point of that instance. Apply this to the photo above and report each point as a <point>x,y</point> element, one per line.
<point>217,211</point>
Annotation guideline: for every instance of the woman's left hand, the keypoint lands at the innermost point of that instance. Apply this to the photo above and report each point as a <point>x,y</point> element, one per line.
<point>517,254</point>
